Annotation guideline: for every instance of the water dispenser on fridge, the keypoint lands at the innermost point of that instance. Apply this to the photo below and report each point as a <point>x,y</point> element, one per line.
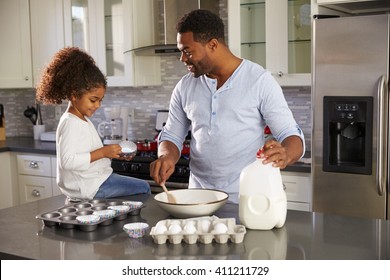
<point>347,134</point>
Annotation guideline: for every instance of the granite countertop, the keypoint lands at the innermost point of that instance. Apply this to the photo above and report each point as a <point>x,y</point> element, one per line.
<point>305,235</point>
<point>29,145</point>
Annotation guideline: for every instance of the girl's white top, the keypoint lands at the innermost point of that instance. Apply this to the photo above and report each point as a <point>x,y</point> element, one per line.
<point>77,176</point>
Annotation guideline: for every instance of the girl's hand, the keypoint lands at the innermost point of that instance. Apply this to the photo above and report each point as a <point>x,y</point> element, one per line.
<point>109,151</point>
<point>112,151</point>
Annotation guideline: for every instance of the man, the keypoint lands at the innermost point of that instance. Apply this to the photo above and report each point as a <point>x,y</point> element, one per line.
<point>227,101</point>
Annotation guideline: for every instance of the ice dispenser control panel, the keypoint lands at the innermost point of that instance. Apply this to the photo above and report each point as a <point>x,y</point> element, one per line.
<point>347,135</point>
<point>347,111</point>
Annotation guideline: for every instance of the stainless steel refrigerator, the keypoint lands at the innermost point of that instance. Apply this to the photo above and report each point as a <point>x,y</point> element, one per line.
<point>350,100</point>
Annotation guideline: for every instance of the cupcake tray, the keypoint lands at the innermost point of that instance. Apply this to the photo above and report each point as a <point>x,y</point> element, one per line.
<point>70,216</point>
<point>203,230</point>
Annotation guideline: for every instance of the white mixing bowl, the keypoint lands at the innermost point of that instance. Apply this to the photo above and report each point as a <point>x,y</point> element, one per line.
<point>192,202</point>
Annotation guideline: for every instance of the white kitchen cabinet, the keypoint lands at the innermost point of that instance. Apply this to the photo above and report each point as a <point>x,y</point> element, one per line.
<point>298,190</point>
<point>107,29</point>
<point>276,34</point>
<point>35,177</point>
<point>9,195</point>
<point>47,33</point>
<point>15,50</point>
<point>32,32</point>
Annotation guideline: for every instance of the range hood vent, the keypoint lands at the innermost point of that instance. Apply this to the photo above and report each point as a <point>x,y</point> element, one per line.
<point>169,12</point>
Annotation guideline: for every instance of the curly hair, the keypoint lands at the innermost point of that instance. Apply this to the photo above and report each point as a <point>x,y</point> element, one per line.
<point>71,73</point>
<point>204,24</point>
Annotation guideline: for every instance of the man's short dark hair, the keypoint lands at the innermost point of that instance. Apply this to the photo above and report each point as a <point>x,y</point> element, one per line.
<point>204,24</point>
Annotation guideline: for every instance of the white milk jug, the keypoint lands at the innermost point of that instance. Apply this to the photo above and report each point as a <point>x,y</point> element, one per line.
<point>263,201</point>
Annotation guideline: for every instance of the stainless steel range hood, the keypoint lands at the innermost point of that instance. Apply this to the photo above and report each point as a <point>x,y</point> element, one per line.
<point>169,12</point>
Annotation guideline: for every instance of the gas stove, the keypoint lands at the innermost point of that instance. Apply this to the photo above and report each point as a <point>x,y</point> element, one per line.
<point>139,167</point>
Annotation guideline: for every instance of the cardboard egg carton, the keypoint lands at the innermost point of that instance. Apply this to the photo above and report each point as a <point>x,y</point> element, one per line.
<point>203,230</point>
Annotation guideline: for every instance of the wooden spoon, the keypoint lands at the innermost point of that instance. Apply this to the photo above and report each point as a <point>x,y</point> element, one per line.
<point>170,196</point>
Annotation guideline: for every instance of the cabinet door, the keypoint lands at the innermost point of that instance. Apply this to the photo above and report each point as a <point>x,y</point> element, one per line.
<point>298,190</point>
<point>277,35</point>
<point>8,187</point>
<point>104,28</point>
<point>47,32</point>
<point>34,188</point>
<point>15,54</point>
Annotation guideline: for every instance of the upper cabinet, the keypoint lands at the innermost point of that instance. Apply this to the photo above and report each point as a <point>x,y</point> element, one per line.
<point>15,54</point>
<point>47,33</point>
<point>33,31</point>
<point>275,34</point>
<point>106,29</point>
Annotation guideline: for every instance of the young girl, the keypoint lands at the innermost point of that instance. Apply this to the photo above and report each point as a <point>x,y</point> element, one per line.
<point>83,163</point>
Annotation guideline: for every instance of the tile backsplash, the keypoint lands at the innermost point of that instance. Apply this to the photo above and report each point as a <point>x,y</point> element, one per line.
<point>144,100</point>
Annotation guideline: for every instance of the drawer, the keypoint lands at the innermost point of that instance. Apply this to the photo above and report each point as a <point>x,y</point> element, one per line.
<point>298,187</point>
<point>34,188</point>
<point>34,165</point>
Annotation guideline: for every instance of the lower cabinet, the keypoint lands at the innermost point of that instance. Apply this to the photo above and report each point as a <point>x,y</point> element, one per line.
<point>298,190</point>
<point>36,177</point>
<point>9,195</point>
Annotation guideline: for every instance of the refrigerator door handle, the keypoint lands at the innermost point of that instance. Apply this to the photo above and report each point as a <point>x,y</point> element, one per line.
<point>382,133</point>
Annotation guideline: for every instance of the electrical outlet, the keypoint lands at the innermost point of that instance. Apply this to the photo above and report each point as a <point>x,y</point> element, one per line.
<point>57,112</point>
<point>131,115</point>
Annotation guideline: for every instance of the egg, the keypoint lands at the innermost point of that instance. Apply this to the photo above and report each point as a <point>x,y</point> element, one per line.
<point>190,222</point>
<point>160,229</point>
<point>220,228</point>
<point>175,228</point>
<point>205,226</point>
<point>189,228</point>
<point>173,222</point>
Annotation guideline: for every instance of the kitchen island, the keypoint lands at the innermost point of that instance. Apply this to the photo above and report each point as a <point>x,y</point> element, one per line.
<point>305,236</point>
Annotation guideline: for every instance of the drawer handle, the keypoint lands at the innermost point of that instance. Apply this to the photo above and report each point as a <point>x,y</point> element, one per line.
<point>34,165</point>
<point>35,193</point>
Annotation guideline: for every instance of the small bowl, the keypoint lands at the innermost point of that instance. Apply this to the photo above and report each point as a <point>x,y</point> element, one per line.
<point>136,230</point>
<point>129,150</point>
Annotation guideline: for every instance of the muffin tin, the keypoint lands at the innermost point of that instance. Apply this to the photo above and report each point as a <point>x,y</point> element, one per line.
<point>88,215</point>
<point>203,230</point>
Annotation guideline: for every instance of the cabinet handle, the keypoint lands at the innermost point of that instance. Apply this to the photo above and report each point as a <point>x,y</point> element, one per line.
<point>280,73</point>
<point>35,193</point>
<point>284,187</point>
<point>34,165</point>
<point>26,78</point>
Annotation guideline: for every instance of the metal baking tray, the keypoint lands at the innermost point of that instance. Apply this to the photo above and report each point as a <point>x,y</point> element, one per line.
<point>66,216</point>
